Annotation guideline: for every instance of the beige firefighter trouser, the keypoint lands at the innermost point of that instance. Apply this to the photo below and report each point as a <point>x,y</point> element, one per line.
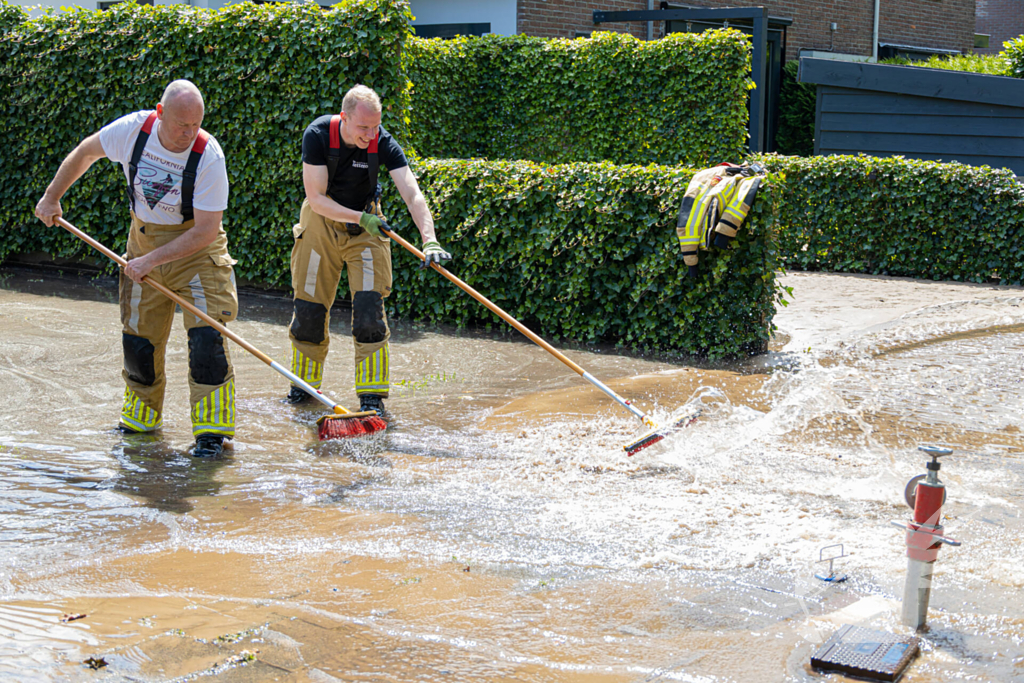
<point>322,248</point>
<point>207,281</point>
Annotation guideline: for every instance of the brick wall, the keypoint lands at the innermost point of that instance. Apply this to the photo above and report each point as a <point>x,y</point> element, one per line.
<point>564,18</point>
<point>1000,19</point>
<point>946,24</point>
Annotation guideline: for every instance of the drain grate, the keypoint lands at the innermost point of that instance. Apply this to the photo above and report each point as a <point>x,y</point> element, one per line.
<point>865,653</point>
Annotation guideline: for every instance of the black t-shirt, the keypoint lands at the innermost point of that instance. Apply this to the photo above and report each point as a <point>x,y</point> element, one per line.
<point>351,183</point>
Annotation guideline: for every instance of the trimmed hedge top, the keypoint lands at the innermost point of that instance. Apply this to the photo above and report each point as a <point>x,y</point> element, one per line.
<point>681,100</point>
<point>896,216</point>
<point>265,71</point>
<point>588,252</point>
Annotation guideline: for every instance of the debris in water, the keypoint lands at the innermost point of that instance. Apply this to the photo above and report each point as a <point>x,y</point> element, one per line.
<point>95,664</point>
<point>72,617</point>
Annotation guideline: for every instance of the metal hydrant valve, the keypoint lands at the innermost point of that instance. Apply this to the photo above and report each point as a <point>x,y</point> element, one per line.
<point>925,494</point>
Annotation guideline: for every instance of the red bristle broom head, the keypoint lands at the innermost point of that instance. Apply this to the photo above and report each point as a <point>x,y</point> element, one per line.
<point>349,426</point>
<point>655,435</point>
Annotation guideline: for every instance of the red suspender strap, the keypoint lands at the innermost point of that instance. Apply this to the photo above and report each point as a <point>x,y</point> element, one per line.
<point>200,144</point>
<point>336,131</point>
<point>147,127</point>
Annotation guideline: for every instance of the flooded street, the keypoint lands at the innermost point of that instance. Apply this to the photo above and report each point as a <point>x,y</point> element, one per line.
<point>497,531</point>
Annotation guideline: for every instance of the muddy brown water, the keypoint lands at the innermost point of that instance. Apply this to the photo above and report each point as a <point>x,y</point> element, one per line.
<point>496,531</point>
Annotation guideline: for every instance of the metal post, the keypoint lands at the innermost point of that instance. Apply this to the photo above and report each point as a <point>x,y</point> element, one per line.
<point>758,68</point>
<point>926,494</point>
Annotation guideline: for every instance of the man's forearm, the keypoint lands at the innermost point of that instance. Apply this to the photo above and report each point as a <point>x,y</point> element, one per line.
<point>193,240</point>
<point>71,169</point>
<point>422,217</point>
<point>328,208</point>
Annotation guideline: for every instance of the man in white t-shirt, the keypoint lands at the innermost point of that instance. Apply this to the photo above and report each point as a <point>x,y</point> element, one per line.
<point>178,190</point>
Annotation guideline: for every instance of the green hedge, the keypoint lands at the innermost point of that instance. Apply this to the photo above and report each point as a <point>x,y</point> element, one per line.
<point>679,101</point>
<point>1014,52</point>
<point>588,252</point>
<point>797,104</point>
<point>993,65</point>
<point>10,17</point>
<point>265,71</point>
<point>898,216</point>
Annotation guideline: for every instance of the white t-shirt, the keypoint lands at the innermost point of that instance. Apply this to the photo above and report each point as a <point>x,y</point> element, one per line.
<point>158,181</point>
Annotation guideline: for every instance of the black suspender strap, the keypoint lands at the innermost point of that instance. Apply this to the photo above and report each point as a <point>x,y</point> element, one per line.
<point>334,150</point>
<point>334,156</point>
<point>372,161</point>
<point>188,177</point>
<point>133,164</point>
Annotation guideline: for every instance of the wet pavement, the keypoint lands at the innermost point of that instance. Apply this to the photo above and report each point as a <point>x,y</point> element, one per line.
<point>496,531</point>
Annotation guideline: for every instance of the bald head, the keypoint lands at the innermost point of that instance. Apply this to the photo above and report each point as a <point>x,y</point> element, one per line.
<point>182,94</point>
<point>181,112</point>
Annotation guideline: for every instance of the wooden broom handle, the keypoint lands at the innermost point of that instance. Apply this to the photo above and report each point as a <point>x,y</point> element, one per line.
<point>168,293</point>
<point>486,302</point>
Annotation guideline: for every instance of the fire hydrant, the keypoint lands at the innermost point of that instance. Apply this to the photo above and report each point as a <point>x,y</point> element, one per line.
<point>925,494</point>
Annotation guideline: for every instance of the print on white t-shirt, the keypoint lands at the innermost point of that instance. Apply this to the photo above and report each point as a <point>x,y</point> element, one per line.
<point>158,180</point>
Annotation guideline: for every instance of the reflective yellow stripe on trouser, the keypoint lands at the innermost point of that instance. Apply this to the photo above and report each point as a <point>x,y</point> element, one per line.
<point>373,372</point>
<point>307,369</point>
<point>215,412</point>
<point>138,415</point>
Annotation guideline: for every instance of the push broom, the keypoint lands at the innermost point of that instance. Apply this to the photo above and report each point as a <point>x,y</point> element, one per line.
<point>339,425</point>
<point>648,438</point>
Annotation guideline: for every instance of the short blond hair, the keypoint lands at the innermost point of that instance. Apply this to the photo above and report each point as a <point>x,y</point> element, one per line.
<point>357,95</point>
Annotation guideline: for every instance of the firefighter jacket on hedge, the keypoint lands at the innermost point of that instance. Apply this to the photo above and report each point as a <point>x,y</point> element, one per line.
<point>714,207</point>
<point>164,188</point>
<point>323,247</point>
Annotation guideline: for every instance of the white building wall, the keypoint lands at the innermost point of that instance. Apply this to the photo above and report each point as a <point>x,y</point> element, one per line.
<point>38,7</point>
<point>500,14</point>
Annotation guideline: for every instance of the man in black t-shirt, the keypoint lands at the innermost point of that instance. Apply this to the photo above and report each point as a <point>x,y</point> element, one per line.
<point>339,226</point>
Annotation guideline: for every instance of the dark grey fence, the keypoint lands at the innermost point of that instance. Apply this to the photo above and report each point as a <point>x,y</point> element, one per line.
<point>885,110</point>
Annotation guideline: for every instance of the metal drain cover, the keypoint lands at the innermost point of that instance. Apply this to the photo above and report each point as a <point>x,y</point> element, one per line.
<point>865,653</point>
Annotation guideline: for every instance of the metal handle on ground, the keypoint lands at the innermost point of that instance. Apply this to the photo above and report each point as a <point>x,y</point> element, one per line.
<point>938,537</point>
<point>206,318</point>
<point>522,328</point>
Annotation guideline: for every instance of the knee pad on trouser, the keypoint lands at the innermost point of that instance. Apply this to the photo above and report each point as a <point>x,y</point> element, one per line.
<point>309,322</point>
<point>214,411</point>
<point>368,325</point>
<point>140,369</point>
<point>207,361</point>
<point>139,359</point>
<point>373,373</point>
